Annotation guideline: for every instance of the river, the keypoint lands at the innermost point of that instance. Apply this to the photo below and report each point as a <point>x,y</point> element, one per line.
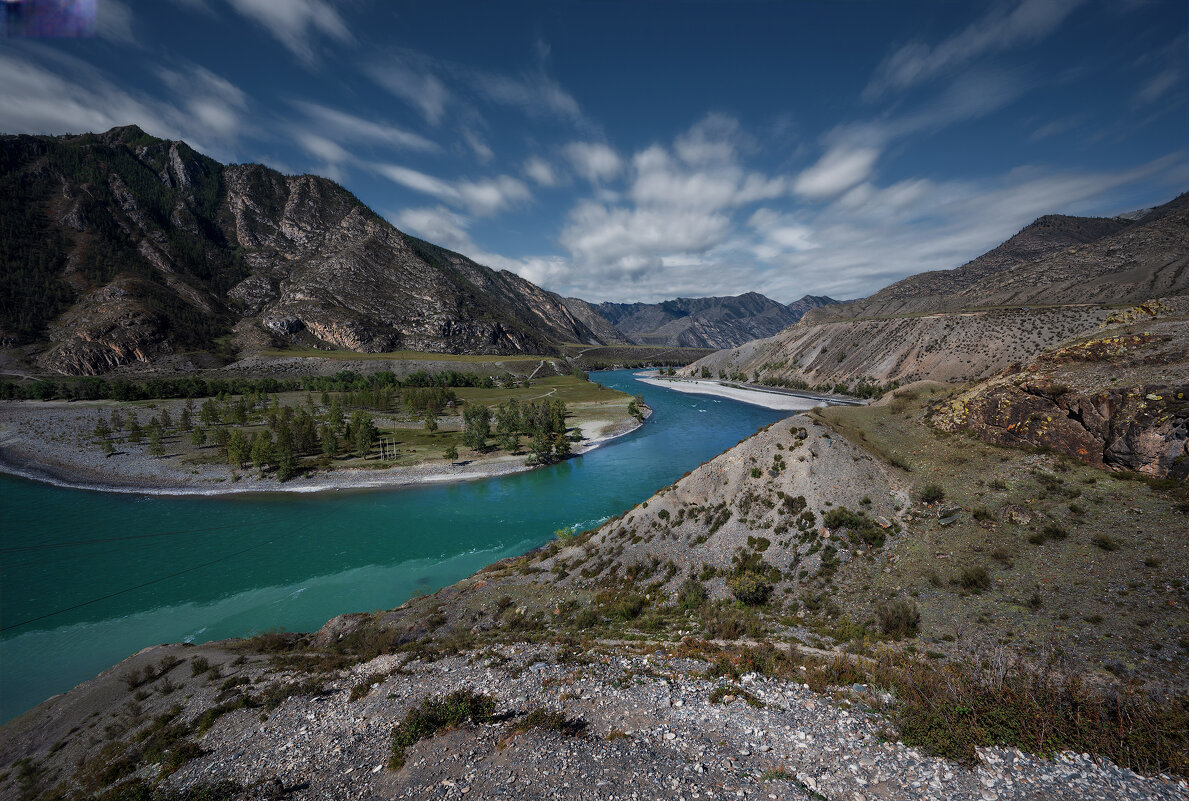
<point>88,578</point>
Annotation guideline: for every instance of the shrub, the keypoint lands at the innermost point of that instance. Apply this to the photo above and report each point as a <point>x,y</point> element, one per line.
<point>898,618</point>
<point>749,588</point>
<point>691,595</point>
<point>982,513</point>
<point>975,578</point>
<point>1107,543</point>
<point>663,514</point>
<point>932,493</point>
<point>724,623</point>
<point>756,472</point>
<point>435,714</point>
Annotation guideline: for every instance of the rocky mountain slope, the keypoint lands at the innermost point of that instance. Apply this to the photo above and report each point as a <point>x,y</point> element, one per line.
<point>705,322</point>
<point>1053,261</point>
<point>807,303</point>
<point>1037,290</point>
<point>121,248</point>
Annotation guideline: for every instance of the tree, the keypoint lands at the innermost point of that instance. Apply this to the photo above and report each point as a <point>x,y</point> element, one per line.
<point>705,371</point>
<point>185,423</point>
<point>330,442</point>
<point>198,436</point>
<point>108,448</point>
<point>476,427</point>
<point>431,423</point>
<point>102,429</point>
<point>166,419</point>
<point>237,448</point>
<point>286,464</point>
<point>155,447</point>
<point>135,432</point>
<point>451,453</point>
<point>208,413</point>
<point>261,450</point>
<point>363,433</point>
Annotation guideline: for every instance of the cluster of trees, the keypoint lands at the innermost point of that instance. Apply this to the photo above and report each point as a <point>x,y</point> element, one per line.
<point>121,389</point>
<point>365,387</point>
<point>543,424</point>
<point>289,433</point>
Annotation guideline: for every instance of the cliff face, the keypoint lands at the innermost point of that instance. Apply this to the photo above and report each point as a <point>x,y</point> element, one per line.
<point>122,248</point>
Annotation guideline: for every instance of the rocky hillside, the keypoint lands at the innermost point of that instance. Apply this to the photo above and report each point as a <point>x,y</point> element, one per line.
<point>705,322</point>
<point>1056,260</point>
<point>122,248</point>
<point>849,603</point>
<point>1056,280</point>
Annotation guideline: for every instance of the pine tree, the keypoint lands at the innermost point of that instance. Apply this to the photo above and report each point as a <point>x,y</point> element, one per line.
<point>198,437</point>
<point>451,453</point>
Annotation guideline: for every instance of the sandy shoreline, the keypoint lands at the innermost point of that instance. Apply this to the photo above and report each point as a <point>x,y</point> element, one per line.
<point>89,471</point>
<point>756,397</point>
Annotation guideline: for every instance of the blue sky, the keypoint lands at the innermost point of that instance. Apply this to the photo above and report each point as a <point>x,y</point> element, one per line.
<point>645,150</point>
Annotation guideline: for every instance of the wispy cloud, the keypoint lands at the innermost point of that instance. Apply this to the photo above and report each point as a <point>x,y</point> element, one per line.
<point>410,78</point>
<point>56,94</point>
<point>594,161</point>
<point>1001,29</point>
<point>344,127</point>
<point>542,172</point>
<point>484,197</point>
<point>296,23</point>
<point>838,170</point>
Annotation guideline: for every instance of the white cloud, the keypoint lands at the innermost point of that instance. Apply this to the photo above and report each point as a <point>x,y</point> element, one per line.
<point>59,94</point>
<point>418,181</point>
<point>344,127</point>
<point>114,22</point>
<point>493,195</point>
<point>480,148</point>
<point>594,161</point>
<point>534,93</point>
<point>998,30</point>
<point>321,147</point>
<point>838,170</point>
<point>436,224</point>
<point>484,197</point>
<point>414,84</point>
<point>295,23</point>
<point>541,171</point>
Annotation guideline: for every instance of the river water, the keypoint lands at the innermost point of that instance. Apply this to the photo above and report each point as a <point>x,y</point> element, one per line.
<point>88,578</point>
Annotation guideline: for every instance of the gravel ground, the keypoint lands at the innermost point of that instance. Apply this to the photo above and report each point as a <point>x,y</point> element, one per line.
<point>670,741</point>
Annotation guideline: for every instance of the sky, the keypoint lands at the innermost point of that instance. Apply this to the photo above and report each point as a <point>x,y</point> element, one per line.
<point>643,150</point>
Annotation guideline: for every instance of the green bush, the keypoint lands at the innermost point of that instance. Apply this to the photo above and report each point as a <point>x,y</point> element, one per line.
<point>975,578</point>
<point>691,595</point>
<point>749,588</point>
<point>932,493</point>
<point>898,618</point>
<point>435,714</point>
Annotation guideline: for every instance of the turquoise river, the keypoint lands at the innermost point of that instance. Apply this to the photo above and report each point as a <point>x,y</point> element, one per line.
<point>88,578</point>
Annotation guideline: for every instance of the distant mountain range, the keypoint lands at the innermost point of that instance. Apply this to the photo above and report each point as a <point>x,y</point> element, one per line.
<point>124,249</point>
<point>706,322</point>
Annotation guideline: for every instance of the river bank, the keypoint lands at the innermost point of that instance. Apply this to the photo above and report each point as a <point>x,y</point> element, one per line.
<point>769,399</point>
<point>36,444</point>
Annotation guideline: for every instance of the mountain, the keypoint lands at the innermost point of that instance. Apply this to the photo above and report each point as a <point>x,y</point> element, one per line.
<point>1055,260</point>
<point>1052,282</point>
<point>121,248</point>
<point>700,322</point>
<point>801,307</point>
